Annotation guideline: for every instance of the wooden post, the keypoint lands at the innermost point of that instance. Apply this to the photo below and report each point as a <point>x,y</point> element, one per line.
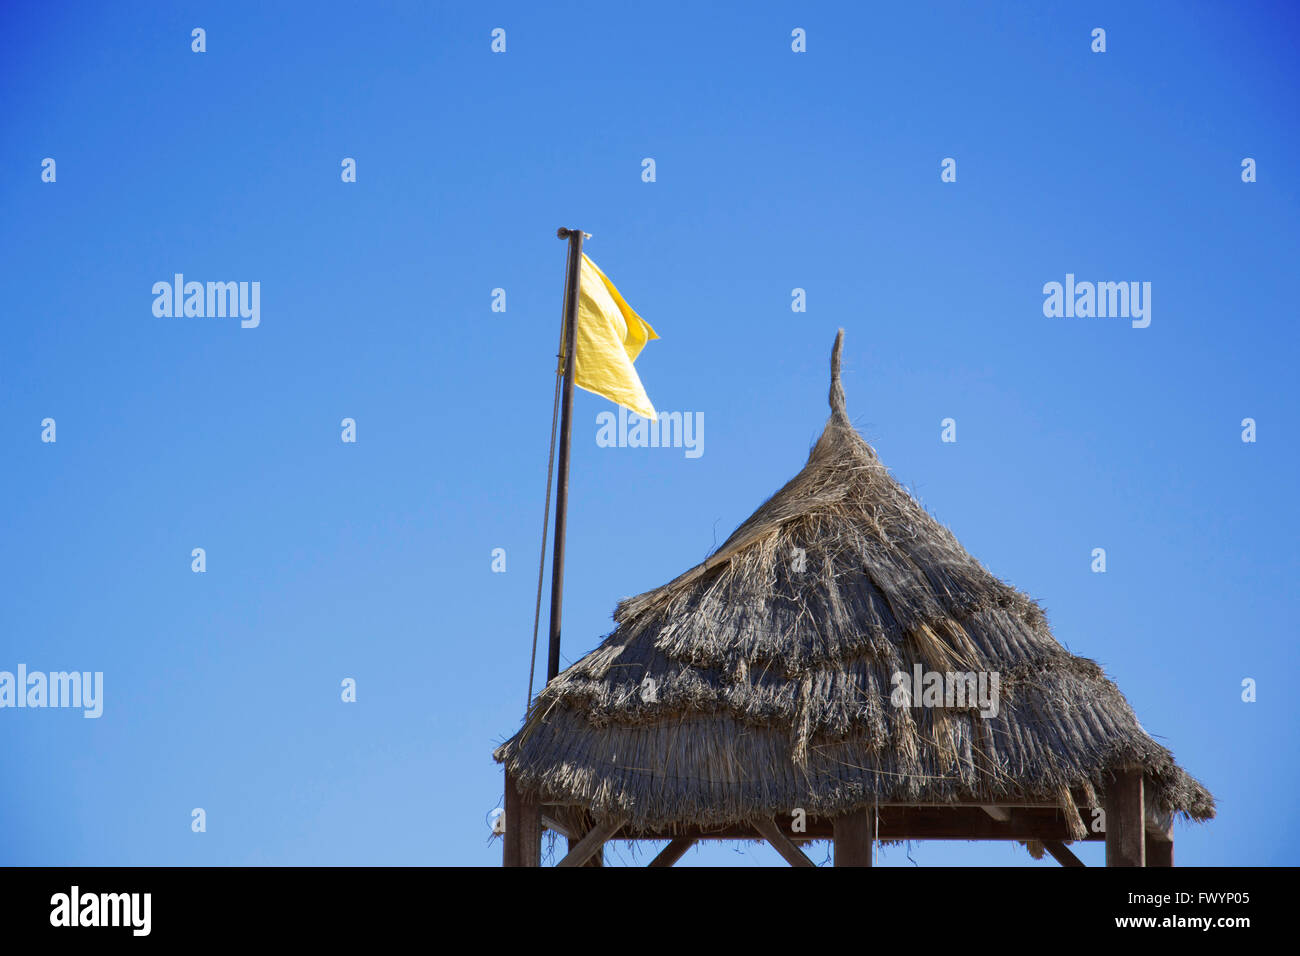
<point>1159,853</point>
<point>854,835</point>
<point>523,836</point>
<point>571,290</point>
<point>1125,820</point>
<point>1159,838</point>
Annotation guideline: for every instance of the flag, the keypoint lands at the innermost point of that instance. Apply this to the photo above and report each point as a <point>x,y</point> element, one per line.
<point>610,337</point>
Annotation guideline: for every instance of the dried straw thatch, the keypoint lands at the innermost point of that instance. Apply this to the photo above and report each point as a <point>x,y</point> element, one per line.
<point>751,686</point>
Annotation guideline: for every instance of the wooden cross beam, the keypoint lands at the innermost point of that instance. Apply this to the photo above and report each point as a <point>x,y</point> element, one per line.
<point>963,822</point>
<point>780,842</point>
<point>586,824</point>
<point>1061,853</point>
<point>673,852</point>
<point>594,840</point>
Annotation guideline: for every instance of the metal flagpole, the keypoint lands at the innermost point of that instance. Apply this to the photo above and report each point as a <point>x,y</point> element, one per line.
<point>575,237</point>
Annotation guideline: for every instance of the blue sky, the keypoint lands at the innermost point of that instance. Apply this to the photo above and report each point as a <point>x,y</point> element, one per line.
<point>775,170</point>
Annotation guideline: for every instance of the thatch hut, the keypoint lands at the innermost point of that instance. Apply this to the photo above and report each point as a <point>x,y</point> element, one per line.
<point>806,682</point>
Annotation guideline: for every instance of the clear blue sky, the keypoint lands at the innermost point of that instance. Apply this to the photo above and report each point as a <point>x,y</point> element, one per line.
<point>775,170</point>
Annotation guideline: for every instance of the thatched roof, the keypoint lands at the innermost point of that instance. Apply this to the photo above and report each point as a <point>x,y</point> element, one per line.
<point>770,671</point>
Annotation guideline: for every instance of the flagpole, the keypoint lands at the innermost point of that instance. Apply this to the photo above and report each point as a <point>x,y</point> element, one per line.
<point>573,277</point>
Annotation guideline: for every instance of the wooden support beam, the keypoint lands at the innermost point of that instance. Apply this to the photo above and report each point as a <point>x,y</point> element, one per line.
<point>1061,853</point>
<point>968,822</point>
<point>587,847</point>
<point>596,859</point>
<point>854,834</point>
<point>1001,814</point>
<point>1125,820</point>
<point>586,823</point>
<point>673,852</point>
<point>780,842</point>
<point>523,836</point>
<point>550,823</point>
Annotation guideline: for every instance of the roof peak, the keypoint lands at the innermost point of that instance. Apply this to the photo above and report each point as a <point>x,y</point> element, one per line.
<point>838,409</point>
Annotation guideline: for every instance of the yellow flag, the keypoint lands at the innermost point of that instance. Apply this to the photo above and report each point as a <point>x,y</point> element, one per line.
<point>610,337</point>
